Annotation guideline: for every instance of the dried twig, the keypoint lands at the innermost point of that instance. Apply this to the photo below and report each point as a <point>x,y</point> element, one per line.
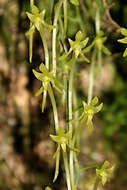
<point>84,8</point>
<point>112,22</point>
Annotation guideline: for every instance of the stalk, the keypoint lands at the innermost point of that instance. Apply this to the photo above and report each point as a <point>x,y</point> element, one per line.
<point>57,12</point>
<point>70,100</point>
<point>46,52</point>
<point>91,78</point>
<point>65,18</point>
<point>31,38</point>
<point>31,2</point>
<point>96,184</point>
<point>99,54</point>
<point>51,94</point>
<point>42,34</point>
<point>67,170</point>
<point>97,31</point>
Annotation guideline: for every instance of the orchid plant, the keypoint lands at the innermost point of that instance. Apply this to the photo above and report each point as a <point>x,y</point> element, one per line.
<point>66,139</point>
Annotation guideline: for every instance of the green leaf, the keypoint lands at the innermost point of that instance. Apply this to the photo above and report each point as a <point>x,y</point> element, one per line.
<point>63,145</point>
<point>30,31</point>
<point>105,50</point>
<point>98,108</point>
<point>42,15</point>
<point>40,91</point>
<point>86,50</point>
<point>65,55</point>
<point>104,178</point>
<point>34,10</point>
<point>58,90</point>
<point>50,27</point>
<point>74,149</point>
<point>90,124</point>
<point>84,43</point>
<point>55,138</point>
<point>105,165</point>
<point>94,101</point>
<point>75,2</point>
<point>125,53</point>
<point>123,31</point>
<point>85,58</point>
<point>79,36</point>
<point>31,17</point>
<point>124,40</point>
<point>48,188</point>
<point>43,68</point>
<point>57,165</point>
<point>38,75</point>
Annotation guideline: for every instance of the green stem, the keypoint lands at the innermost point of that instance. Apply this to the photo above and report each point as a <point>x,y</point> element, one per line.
<point>97,20</point>
<point>70,100</point>
<point>67,170</point>
<point>31,2</point>
<point>46,52</point>
<point>31,38</point>
<point>100,61</point>
<point>91,78</point>
<point>57,11</point>
<point>42,34</point>
<point>96,184</point>
<point>97,31</point>
<point>51,94</point>
<point>65,18</point>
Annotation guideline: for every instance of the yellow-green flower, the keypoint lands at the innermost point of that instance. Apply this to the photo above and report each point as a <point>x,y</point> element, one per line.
<point>75,2</point>
<point>47,78</point>
<point>104,172</point>
<point>124,40</point>
<point>99,43</point>
<point>88,112</point>
<point>62,139</point>
<point>77,47</point>
<point>37,18</point>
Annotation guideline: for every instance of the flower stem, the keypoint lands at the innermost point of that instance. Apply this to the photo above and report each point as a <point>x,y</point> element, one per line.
<point>91,78</point>
<point>70,100</point>
<point>96,184</point>
<point>42,34</point>
<point>67,170</point>
<point>31,38</point>
<point>53,101</point>
<point>65,18</point>
<point>46,52</point>
<point>57,11</point>
<point>31,2</point>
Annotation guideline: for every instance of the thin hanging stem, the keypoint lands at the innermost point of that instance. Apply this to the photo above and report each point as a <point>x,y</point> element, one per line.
<point>65,18</point>
<point>53,101</point>
<point>57,12</point>
<point>31,38</point>
<point>31,2</point>
<point>99,54</point>
<point>67,170</point>
<point>97,21</point>
<point>91,78</point>
<point>46,52</point>
<point>70,104</point>
<point>42,34</point>
<point>96,184</point>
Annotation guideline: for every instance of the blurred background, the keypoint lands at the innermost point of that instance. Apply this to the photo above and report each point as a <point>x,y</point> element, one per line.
<point>26,149</point>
